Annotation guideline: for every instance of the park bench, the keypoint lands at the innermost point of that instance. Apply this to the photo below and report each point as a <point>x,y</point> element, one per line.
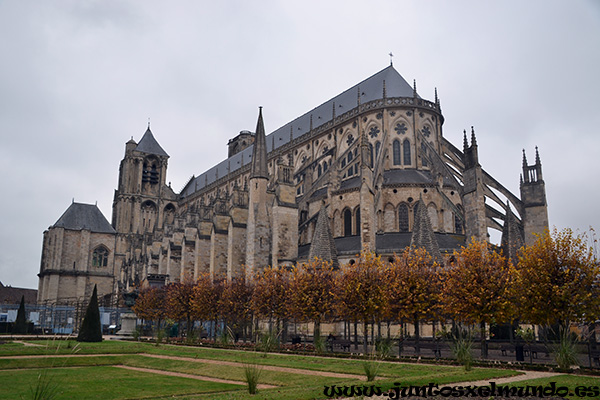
<point>505,348</point>
<point>436,348</point>
<point>341,344</point>
<point>535,349</point>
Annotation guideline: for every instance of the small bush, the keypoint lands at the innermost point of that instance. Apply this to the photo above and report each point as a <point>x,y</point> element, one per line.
<point>383,347</point>
<point>252,372</point>
<point>320,344</point>
<point>267,342</point>
<point>462,345</point>
<point>371,368</point>
<point>565,352</point>
<point>45,388</point>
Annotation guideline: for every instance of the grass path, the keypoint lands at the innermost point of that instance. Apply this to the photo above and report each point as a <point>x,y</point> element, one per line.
<point>265,367</point>
<point>198,377</point>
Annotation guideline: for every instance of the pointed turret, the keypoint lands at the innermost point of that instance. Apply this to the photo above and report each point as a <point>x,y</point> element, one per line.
<point>422,234</point>
<point>473,138</point>
<point>259,152</point>
<point>323,244</point>
<point>465,142</point>
<point>414,88</point>
<point>148,144</point>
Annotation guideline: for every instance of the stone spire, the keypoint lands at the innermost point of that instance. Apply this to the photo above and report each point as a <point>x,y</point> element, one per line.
<point>323,244</point>
<point>422,234</point>
<point>259,152</point>
<point>512,236</point>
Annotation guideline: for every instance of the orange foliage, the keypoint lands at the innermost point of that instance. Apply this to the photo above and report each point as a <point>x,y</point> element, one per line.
<point>311,291</point>
<point>476,286</point>
<point>557,280</point>
<point>414,286</point>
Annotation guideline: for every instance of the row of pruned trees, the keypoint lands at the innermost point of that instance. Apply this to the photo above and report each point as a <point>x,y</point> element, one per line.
<point>556,281</point>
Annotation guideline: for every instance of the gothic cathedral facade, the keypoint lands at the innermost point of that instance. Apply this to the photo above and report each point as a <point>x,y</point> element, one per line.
<point>367,170</point>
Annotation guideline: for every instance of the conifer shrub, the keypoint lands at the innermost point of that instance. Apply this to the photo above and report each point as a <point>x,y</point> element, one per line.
<point>91,329</point>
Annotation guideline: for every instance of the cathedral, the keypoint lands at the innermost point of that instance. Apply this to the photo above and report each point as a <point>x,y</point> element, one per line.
<point>368,169</point>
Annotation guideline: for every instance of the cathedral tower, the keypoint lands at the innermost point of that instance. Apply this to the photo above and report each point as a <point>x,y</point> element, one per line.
<point>533,195</point>
<point>474,192</point>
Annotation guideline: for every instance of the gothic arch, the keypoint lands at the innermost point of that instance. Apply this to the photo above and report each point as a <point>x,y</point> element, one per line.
<point>100,256</point>
<point>337,224</point>
<point>169,214</point>
<point>403,218</point>
<point>400,127</point>
<point>357,220</point>
<point>433,216</point>
<point>389,218</point>
<point>347,221</point>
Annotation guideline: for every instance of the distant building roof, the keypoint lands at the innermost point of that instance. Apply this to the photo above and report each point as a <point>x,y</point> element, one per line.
<point>149,145</point>
<point>12,295</point>
<point>370,89</point>
<point>81,216</point>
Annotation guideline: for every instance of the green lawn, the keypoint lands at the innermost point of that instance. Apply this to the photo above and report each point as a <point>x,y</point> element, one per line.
<point>105,382</point>
<point>94,377</point>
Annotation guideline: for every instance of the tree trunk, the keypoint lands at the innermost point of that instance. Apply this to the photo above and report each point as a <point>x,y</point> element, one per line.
<point>484,352</point>
<point>317,332</point>
<point>355,335</point>
<point>417,334</point>
<point>365,338</point>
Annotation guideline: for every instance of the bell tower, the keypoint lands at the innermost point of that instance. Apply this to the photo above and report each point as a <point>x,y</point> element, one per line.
<point>138,199</point>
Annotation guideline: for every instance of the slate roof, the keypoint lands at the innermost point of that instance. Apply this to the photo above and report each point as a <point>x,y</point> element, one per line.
<point>323,244</point>
<point>422,235</point>
<point>12,295</point>
<point>369,89</point>
<point>149,145</point>
<point>390,242</point>
<point>81,216</point>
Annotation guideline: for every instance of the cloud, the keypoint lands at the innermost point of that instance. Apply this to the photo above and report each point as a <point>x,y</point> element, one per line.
<point>78,79</point>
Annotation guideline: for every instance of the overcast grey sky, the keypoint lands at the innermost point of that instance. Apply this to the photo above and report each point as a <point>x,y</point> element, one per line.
<point>79,78</point>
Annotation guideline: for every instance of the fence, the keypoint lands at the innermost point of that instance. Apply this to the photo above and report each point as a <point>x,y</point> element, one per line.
<point>61,319</point>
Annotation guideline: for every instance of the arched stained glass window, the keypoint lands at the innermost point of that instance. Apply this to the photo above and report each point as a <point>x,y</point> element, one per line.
<point>100,257</point>
<point>403,218</point>
<point>396,152</point>
<point>347,223</point>
<point>406,149</point>
<point>357,218</point>
<point>458,225</point>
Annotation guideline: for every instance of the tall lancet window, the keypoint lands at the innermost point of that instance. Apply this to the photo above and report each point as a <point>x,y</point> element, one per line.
<point>396,152</point>
<point>406,148</point>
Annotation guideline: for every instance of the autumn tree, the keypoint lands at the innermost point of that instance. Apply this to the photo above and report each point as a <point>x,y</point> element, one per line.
<point>270,296</point>
<point>413,288</point>
<point>235,304</point>
<point>311,293</point>
<point>557,280</point>
<point>476,288</point>
<point>178,303</point>
<point>205,300</point>
<point>150,305</point>
<point>360,293</point>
